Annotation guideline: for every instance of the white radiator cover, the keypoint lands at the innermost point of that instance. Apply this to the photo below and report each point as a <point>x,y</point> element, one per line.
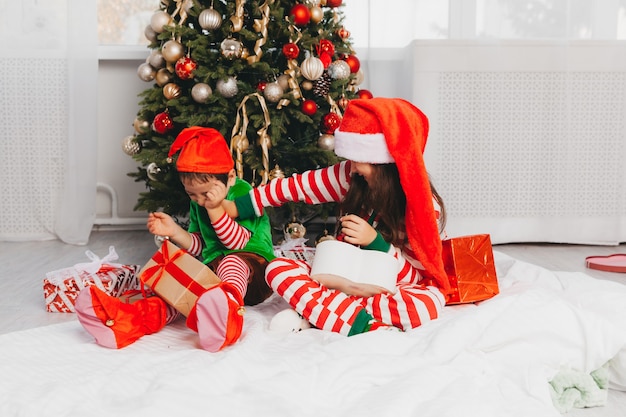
<point>527,139</point>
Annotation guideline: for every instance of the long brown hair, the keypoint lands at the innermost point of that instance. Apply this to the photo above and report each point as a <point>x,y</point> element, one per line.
<point>386,197</point>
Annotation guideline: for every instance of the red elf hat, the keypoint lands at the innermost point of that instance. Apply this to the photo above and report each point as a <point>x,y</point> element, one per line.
<point>202,149</point>
<point>392,130</point>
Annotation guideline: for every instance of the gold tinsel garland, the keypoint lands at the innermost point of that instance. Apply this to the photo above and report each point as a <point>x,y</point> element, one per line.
<point>239,139</point>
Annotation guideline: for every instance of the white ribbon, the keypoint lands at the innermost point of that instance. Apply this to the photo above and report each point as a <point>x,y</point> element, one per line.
<point>97,263</point>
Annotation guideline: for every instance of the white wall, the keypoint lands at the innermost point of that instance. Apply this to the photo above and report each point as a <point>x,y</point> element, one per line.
<point>118,89</point>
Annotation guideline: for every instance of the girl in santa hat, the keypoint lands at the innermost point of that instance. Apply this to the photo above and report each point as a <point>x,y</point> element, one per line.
<point>384,186</point>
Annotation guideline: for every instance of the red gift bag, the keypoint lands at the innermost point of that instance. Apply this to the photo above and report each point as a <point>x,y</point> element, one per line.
<point>468,260</point>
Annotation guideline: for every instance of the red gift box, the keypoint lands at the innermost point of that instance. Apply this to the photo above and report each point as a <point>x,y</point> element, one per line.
<point>177,277</point>
<point>61,287</point>
<point>468,260</point>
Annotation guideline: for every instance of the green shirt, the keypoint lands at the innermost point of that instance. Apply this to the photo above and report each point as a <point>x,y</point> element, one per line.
<point>260,230</point>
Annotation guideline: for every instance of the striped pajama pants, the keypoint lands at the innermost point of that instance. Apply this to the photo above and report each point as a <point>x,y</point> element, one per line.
<point>411,306</point>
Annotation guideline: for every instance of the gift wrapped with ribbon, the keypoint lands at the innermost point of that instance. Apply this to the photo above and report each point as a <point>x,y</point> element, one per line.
<point>177,277</point>
<point>468,260</point>
<point>61,287</point>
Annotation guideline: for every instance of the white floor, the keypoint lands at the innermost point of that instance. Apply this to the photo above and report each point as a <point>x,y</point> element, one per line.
<point>24,264</point>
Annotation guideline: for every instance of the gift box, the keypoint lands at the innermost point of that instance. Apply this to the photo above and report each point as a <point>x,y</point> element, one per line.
<point>468,260</point>
<point>177,277</point>
<point>61,287</point>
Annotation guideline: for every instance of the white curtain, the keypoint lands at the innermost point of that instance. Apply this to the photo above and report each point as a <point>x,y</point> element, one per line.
<point>48,116</point>
<point>527,109</point>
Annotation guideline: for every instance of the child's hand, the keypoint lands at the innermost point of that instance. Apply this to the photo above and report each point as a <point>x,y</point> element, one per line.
<point>214,197</point>
<point>349,287</point>
<point>356,230</point>
<point>161,224</point>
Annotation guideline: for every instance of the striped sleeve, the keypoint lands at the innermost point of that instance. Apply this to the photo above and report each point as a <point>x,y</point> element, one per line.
<point>230,233</point>
<point>195,249</point>
<point>323,185</point>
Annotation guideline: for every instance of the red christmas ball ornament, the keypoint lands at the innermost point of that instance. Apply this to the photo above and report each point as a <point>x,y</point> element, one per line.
<point>343,33</point>
<point>326,59</point>
<point>326,46</point>
<point>291,50</point>
<point>333,3</point>
<point>162,123</point>
<point>365,94</point>
<point>261,85</point>
<point>301,14</point>
<point>353,63</point>
<point>185,67</point>
<point>330,123</point>
<point>309,107</point>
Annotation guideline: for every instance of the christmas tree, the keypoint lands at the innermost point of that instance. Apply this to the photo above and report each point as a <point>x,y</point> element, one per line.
<point>272,76</point>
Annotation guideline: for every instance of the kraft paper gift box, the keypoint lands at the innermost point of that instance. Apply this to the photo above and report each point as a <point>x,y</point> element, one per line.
<point>61,287</point>
<point>468,260</point>
<point>177,277</point>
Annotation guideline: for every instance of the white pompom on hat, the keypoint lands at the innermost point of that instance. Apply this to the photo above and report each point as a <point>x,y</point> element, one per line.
<point>392,130</point>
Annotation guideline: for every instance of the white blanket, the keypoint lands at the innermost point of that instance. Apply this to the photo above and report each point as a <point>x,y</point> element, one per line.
<point>491,359</point>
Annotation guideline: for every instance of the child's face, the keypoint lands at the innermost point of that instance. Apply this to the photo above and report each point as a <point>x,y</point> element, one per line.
<point>211,190</point>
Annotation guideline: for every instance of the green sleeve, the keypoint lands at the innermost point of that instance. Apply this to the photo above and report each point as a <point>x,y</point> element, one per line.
<point>244,207</point>
<point>378,244</point>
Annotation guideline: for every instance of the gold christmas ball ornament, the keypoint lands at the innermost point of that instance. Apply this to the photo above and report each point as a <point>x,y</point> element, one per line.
<point>146,72</point>
<point>323,237</point>
<point>339,70</point>
<point>358,79</point>
<point>201,92</point>
<point>326,142</point>
<point>317,14</point>
<point>156,59</point>
<point>312,68</point>
<point>231,48</point>
<point>130,146</point>
<point>240,143</point>
<point>273,92</point>
<point>227,87</point>
<point>163,76</point>
<point>210,19</point>
<point>171,91</point>
<point>283,81</point>
<point>141,126</point>
<point>295,230</point>
<point>276,173</point>
<point>172,51</point>
<point>152,170</point>
<point>306,85</point>
<point>160,19</point>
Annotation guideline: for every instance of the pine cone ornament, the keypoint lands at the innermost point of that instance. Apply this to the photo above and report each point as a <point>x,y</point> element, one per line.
<point>321,86</point>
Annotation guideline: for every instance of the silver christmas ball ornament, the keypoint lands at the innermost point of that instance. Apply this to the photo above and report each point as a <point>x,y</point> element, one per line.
<point>156,59</point>
<point>339,70</point>
<point>130,146</point>
<point>163,76</point>
<point>201,92</point>
<point>172,51</point>
<point>141,126</point>
<point>150,34</point>
<point>210,19</point>
<point>231,48</point>
<point>273,92</point>
<point>326,142</point>
<point>152,170</point>
<point>146,72</point>
<point>160,19</point>
<point>227,87</point>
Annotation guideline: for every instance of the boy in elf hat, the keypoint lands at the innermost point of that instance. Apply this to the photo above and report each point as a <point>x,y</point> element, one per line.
<point>237,250</point>
<point>384,184</point>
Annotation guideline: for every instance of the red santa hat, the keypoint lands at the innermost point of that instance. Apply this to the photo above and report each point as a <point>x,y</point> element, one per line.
<point>202,149</point>
<point>390,130</point>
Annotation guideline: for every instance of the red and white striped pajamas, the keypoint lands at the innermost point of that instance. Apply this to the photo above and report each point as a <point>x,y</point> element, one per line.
<point>413,303</point>
<point>231,268</point>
